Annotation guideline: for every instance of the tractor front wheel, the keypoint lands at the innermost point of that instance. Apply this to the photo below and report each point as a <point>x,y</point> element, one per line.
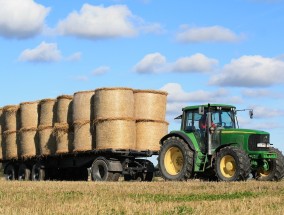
<point>276,168</point>
<point>175,160</point>
<point>232,164</point>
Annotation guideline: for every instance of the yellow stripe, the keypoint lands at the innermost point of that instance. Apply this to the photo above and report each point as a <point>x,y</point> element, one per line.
<point>239,132</point>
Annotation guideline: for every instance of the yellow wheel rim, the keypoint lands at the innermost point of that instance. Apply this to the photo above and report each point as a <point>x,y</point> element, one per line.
<point>264,173</point>
<point>173,161</point>
<point>228,166</point>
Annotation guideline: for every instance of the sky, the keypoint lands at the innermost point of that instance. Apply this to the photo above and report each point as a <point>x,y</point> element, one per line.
<point>200,52</point>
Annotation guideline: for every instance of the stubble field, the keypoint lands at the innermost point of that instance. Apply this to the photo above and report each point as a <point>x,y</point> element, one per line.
<point>192,197</point>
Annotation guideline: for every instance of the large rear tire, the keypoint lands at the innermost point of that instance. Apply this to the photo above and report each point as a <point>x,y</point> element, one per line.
<point>276,168</point>
<point>232,164</point>
<point>175,160</point>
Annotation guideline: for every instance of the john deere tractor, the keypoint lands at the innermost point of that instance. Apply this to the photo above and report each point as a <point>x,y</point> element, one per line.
<point>209,146</point>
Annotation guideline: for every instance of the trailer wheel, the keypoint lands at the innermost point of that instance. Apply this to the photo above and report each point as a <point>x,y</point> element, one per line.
<point>175,160</point>
<point>276,168</point>
<point>24,173</point>
<point>100,170</point>
<point>38,173</point>
<point>232,164</point>
<point>10,173</point>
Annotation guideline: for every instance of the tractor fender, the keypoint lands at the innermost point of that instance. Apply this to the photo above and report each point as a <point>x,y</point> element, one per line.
<point>180,135</point>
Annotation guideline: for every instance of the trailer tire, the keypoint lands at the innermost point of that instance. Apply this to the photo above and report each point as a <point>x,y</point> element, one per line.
<point>276,173</point>
<point>10,172</point>
<point>176,159</point>
<point>232,164</point>
<point>100,170</point>
<point>38,173</point>
<point>24,173</point>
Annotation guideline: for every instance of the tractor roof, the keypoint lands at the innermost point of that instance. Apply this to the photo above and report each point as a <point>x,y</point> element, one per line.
<point>206,106</point>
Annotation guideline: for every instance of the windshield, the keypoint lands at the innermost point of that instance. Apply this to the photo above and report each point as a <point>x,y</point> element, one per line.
<point>224,118</point>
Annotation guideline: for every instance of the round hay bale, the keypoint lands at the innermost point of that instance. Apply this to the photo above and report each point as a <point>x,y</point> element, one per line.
<point>27,143</point>
<point>47,110</point>
<point>47,143</point>
<point>83,136</point>
<point>29,114</point>
<point>10,145</point>
<point>83,106</point>
<point>150,104</point>
<point>64,138</point>
<point>149,133</point>
<point>10,114</point>
<point>64,109</point>
<point>114,103</point>
<point>115,133</point>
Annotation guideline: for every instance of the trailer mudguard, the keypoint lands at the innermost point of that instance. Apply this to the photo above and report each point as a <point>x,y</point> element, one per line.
<point>180,135</point>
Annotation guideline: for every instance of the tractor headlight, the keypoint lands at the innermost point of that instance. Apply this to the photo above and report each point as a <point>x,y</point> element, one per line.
<point>263,145</point>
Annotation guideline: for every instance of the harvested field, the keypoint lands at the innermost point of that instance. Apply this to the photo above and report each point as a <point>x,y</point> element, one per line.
<point>193,197</point>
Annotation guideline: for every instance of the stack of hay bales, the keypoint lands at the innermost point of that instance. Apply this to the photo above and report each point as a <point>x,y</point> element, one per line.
<point>150,112</point>
<point>28,129</point>
<point>105,118</point>
<point>83,113</point>
<point>63,126</point>
<point>47,144</point>
<point>114,114</point>
<point>9,132</point>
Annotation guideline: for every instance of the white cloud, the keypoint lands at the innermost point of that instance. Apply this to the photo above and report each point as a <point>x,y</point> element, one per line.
<point>45,52</point>
<point>74,57</point>
<point>207,34</point>
<point>97,22</point>
<point>101,70</point>
<point>157,63</point>
<point>21,18</point>
<point>177,94</point>
<point>154,62</point>
<point>251,71</point>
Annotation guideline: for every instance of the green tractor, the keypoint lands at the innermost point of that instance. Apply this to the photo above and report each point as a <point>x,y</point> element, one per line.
<point>209,146</point>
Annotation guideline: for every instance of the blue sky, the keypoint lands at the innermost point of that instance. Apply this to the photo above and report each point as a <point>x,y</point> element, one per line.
<point>199,51</point>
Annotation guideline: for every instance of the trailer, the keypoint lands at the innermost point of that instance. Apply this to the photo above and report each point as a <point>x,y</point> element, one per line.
<point>97,165</point>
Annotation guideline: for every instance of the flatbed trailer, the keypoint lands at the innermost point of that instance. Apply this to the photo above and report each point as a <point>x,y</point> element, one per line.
<point>97,165</point>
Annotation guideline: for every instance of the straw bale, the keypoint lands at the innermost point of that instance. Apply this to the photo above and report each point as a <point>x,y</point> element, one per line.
<point>149,133</point>
<point>83,106</point>
<point>114,102</point>
<point>10,117</point>
<point>150,104</point>
<point>64,138</point>
<point>47,110</point>
<point>29,114</point>
<point>9,149</point>
<point>115,133</point>
<point>47,143</point>
<point>28,142</point>
<point>83,136</point>
<point>64,109</point>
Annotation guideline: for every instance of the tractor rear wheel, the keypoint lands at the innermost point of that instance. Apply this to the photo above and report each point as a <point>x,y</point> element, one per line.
<point>232,164</point>
<point>276,168</point>
<point>175,160</point>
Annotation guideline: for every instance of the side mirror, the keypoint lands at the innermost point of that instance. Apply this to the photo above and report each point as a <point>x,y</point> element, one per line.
<point>201,110</point>
<point>251,114</point>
